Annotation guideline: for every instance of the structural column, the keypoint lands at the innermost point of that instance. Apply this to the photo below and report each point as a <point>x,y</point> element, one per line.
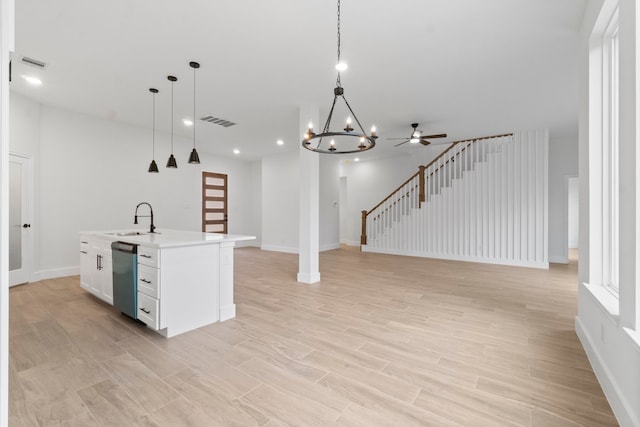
<point>309,238</point>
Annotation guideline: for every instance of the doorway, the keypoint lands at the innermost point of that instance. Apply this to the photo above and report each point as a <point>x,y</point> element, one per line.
<point>20,215</point>
<point>214,202</point>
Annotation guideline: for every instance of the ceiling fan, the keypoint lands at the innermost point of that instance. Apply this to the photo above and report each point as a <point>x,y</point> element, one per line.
<point>416,136</point>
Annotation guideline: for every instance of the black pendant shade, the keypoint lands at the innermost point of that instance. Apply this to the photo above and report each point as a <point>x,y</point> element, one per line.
<point>194,158</point>
<point>153,166</point>
<point>171,163</point>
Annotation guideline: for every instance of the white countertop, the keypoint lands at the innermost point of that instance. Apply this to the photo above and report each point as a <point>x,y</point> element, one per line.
<point>164,238</point>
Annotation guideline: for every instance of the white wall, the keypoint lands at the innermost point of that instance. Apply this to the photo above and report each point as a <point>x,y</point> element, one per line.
<point>612,348</point>
<point>573,185</point>
<point>281,202</point>
<point>7,32</point>
<point>329,202</point>
<point>368,182</point>
<point>563,162</point>
<point>91,174</point>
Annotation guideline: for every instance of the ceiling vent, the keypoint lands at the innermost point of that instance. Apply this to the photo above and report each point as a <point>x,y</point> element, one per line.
<point>217,121</point>
<point>33,62</point>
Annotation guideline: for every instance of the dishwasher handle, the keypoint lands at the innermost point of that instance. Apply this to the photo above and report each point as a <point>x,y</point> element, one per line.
<point>129,248</point>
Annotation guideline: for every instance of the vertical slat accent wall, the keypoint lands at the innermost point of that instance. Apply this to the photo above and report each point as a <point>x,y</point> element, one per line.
<point>487,205</point>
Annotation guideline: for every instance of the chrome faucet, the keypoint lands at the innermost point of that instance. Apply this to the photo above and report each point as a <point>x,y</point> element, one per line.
<point>135,218</point>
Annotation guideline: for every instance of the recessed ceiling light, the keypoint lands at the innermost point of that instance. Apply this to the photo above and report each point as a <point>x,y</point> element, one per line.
<point>236,151</point>
<point>357,159</point>
<point>32,80</point>
<point>280,142</point>
<point>187,122</point>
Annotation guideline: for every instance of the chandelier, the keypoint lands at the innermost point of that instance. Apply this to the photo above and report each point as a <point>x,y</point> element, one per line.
<point>314,141</point>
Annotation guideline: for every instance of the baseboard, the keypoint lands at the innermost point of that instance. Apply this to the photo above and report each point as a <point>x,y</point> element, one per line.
<point>559,259</point>
<point>290,250</point>
<point>329,247</point>
<point>54,273</point>
<point>227,312</point>
<point>275,248</point>
<point>352,242</point>
<point>247,243</point>
<point>308,278</point>
<point>619,405</point>
<point>512,263</point>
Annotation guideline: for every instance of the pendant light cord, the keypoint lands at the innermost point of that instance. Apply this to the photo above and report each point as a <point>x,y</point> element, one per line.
<point>338,83</point>
<point>172,117</point>
<point>194,108</point>
<point>153,124</point>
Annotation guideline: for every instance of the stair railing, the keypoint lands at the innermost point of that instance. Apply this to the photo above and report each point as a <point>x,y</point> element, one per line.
<point>412,193</point>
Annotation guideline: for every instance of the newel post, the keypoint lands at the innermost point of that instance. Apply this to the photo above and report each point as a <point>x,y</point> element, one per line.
<point>421,186</point>
<point>363,236</point>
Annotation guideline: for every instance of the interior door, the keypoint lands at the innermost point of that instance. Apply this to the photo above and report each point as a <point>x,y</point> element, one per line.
<point>214,202</point>
<point>20,234</point>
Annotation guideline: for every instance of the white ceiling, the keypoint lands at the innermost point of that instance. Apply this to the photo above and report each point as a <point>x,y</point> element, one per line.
<point>464,67</point>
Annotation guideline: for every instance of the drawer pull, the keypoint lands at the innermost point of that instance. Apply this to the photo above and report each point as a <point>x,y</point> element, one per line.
<point>145,280</point>
<point>145,310</point>
<point>82,241</point>
<point>83,252</point>
<point>145,256</point>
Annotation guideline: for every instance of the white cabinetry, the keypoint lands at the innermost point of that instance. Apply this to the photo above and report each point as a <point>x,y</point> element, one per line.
<point>184,278</point>
<point>96,267</point>
<point>178,287</point>
<point>149,286</point>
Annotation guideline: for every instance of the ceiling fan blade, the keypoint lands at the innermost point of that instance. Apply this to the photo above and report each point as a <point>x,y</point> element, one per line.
<point>391,139</point>
<point>439,135</point>
<point>424,142</point>
<point>397,145</point>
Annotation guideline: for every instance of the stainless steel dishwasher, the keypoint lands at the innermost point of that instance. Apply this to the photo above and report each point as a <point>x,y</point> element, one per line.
<point>125,277</point>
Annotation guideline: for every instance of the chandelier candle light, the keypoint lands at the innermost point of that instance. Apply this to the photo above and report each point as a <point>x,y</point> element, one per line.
<point>366,142</point>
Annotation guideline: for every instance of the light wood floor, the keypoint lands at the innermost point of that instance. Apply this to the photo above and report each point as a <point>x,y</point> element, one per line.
<point>381,341</point>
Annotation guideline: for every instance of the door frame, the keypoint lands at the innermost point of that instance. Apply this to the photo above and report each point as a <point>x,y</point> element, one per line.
<point>225,200</point>
<point>24,275</point>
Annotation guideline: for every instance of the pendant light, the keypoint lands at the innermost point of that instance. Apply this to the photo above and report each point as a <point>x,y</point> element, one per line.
<point>365,142</point>
<point>153,166</point>
<point>171,163</point>
<point>193,157</point>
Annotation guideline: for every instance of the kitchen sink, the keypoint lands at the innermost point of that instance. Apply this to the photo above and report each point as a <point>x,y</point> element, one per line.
<point>131,233</point>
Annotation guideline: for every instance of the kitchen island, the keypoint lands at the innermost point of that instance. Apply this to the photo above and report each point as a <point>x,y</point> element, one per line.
<point>184,278</point>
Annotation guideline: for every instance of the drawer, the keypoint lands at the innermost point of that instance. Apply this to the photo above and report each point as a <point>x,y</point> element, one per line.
<point>148,280</point>
<point>149,256</point>
<point>103,245</point>
<point>148,310</point>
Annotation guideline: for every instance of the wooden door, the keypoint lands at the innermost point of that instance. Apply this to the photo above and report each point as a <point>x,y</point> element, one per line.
<point>214,202</point>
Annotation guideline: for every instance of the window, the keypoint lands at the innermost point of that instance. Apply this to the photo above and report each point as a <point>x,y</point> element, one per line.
<point>609,147</point>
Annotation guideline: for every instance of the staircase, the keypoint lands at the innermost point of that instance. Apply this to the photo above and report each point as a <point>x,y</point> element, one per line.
<point>483,200</point>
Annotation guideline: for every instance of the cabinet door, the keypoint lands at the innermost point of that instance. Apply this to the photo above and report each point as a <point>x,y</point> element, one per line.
<point>96,276</point>
<point>107,279</point>
<point>87,265</point>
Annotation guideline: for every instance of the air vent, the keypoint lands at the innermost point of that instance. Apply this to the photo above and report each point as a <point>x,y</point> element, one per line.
<point>33,62</point>
<point>217,121</point>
